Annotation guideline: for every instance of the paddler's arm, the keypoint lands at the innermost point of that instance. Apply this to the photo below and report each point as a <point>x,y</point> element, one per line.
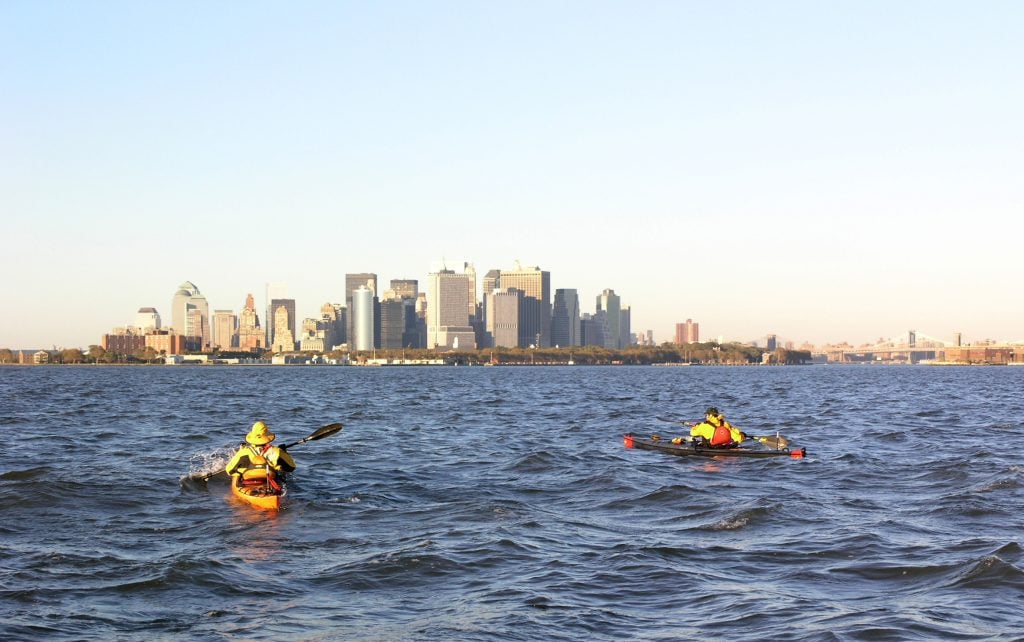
<point>281,461</point>
<point>232,467</point>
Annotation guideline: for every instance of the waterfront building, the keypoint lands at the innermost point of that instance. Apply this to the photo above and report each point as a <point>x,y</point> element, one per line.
<point>592,329</point>
<point>625,327</point>
<point>147,319</point>
<point>276,305</point>
<point>472,303</point>
<point>608,302</point>
<point>448,325</point>
<point>688,332</point>
<point>123,342</point>
<point>504,313</point>
<point>362,314</point>
<point>284,337</point>
<point>314,334</point>
<point>190,314</point>
<point>353,281</point>
<point>274,291</point>
<point>333,317</point>
<point>565,318</point>
<point>225,329</point>
<point>165,342</point>
<point>535,324</point>
<point>250,334</point>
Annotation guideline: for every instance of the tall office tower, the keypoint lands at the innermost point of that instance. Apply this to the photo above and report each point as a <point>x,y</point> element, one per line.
<point>352,283</point>
<point>470,272</point>
<point>398,323</point>
<point>186,300</point>
<point>608,302</point>
<point>362,316</point>
<point>490,282</point>
<point>565,318</point>
<point>772,342</point>
<point>289,306</point>
<point>405,288</point>
<point>536,306</point>
<point>332,315</point>
<point>250,335</point>
<point>688,332</point>
<point>273,291</point>
<point>625,329</point>
<point>147,319</point>
<point>504,308</point>
<point>224,329</point>
<point>448,313</point>
<point>284,337</point>
<point>592,329</point>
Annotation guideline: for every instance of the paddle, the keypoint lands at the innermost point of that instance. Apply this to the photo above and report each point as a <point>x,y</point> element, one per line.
<point>778,442</point>
<point>319,433</point>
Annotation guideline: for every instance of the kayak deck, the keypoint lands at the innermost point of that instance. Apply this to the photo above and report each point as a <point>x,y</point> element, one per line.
<point>654,442</point>
<point>258,494</point>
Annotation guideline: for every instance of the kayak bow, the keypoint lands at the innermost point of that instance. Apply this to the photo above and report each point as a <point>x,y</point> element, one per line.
<point>654,442</point>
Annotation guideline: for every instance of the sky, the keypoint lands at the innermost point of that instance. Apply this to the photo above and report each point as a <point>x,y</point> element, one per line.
<point>824,172</point>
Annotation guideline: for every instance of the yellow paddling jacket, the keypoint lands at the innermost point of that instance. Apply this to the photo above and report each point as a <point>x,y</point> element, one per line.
<point>251,461</point>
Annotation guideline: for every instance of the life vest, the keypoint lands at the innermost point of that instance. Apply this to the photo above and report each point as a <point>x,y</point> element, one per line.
<point>722,436</point>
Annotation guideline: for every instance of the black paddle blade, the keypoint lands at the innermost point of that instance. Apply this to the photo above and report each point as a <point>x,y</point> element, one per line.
<point>326,431</point>
<point>319,433</point>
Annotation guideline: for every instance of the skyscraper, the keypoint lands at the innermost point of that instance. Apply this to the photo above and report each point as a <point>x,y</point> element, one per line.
<point>448,312</point>
<point>284,337</point>
<point>503,318</point>
<point>224,329</point>
<point>625,327</point>
<point>291,322</point>
<point>536,306</point>
<point>565,318</point>
<point>608,302</point>
<point>147,319</point>
<point>352,283</point>
<point>362,314</point>
<point>250,334</point>
<point>190,314</point>
<point>273,291</point>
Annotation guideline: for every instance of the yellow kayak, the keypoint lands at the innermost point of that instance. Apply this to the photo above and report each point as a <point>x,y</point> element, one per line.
<point>256,492</point>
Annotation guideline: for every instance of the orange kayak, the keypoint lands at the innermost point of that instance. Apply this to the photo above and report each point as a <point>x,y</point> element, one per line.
<point>257,493</point>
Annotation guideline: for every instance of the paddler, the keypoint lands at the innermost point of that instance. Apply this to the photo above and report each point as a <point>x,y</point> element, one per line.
<point>716,431</point>
<point>257,459</point>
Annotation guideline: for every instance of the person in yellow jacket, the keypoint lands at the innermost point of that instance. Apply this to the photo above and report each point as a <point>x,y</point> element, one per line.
<point>716,431</point>
<point>257,460</point>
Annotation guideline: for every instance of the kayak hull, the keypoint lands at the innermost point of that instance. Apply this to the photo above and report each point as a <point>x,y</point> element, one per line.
<point>258,495</point>
<point>632,440</point>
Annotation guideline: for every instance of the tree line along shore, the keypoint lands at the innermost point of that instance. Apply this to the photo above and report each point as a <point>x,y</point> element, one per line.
<point>710,353</point>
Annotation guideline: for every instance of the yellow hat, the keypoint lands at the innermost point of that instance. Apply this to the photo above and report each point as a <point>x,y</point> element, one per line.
<point>260,434</point>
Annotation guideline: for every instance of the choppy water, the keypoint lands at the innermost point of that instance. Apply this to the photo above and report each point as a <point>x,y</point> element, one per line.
<point>500,504</point>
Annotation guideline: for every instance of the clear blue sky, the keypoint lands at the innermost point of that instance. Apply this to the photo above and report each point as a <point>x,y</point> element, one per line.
<point>822,171</point>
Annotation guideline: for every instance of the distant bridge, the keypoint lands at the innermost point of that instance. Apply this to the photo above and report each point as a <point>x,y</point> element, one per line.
<point>907,347</point>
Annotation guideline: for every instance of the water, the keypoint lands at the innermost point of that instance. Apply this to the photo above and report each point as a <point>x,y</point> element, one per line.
<point>500,504</point>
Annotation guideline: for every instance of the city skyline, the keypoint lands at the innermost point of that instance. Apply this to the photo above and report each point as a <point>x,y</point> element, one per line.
<point>821,173</point>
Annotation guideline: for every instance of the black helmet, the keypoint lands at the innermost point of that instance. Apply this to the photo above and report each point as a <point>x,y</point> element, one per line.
<point>712,411</point>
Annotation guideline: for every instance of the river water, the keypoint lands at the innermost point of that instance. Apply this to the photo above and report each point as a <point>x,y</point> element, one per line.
<point>473,503</point>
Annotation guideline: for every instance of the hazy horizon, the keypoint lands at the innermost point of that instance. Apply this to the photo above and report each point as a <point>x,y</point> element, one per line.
<point>822,172</point>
